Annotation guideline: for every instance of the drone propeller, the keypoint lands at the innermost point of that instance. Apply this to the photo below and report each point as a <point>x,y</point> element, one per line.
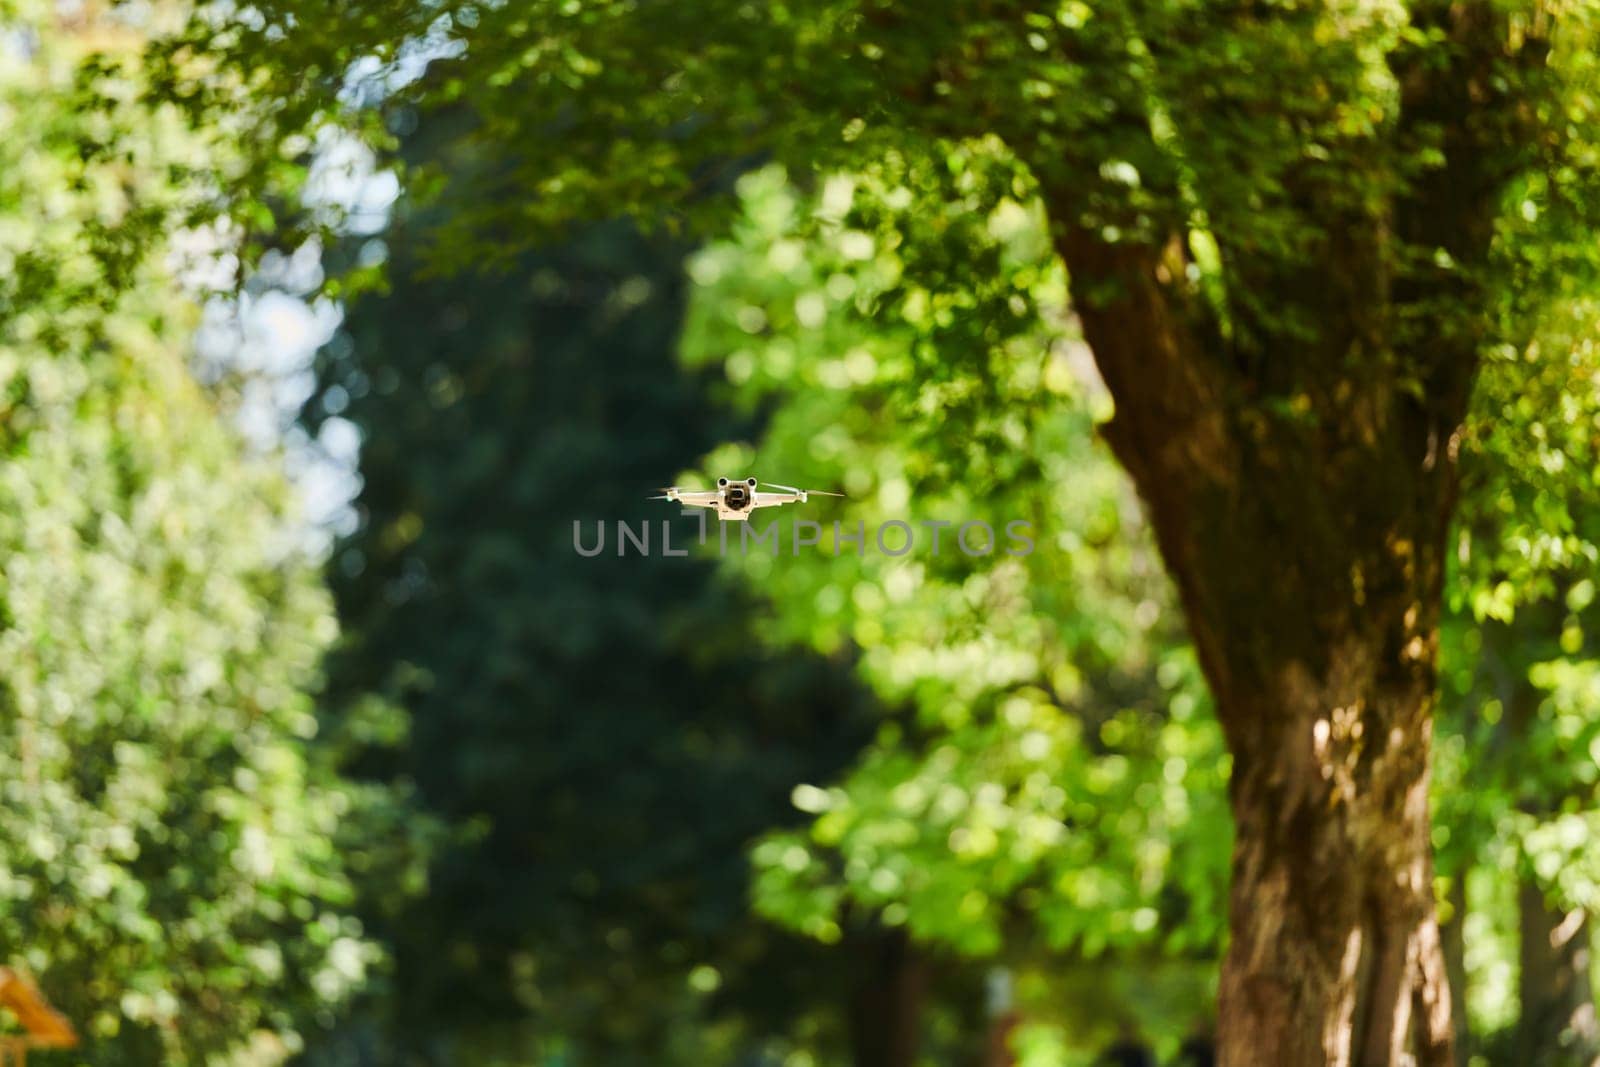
<point>802,492</point>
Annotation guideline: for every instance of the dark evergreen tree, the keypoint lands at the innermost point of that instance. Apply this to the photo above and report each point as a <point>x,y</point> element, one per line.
<point>597,737</point>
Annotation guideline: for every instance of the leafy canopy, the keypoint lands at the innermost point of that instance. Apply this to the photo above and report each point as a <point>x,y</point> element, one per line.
<point>170,871</point>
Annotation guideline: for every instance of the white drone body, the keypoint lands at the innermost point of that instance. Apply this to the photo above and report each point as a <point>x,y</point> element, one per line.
<point>733,501</point>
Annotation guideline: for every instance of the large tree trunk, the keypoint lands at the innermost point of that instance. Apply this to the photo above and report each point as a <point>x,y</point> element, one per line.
<point>886,1007</point>
<point>1308,553</point>
<point>1295,444</point>
<point>1309,558</point>
<point>1335,956</point>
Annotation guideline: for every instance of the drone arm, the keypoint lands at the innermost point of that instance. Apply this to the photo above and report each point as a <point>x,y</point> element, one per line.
<point>698,497</point>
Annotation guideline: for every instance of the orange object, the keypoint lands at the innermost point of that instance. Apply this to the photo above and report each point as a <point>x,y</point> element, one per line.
<point>46,1027</point>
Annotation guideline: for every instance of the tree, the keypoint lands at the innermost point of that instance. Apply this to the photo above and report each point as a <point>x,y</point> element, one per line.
<point>1290,233</point>
<point>170,863</point>
<point>599,734</point>
<point>1055,786</point>
<point>1517,774</point>
<point>1517,794</point>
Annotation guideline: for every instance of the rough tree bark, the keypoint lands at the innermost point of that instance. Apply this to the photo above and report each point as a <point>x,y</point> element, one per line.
<point>1301,488</point>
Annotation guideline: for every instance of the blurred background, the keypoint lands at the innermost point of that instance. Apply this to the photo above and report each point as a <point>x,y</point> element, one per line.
<point>324,745</point>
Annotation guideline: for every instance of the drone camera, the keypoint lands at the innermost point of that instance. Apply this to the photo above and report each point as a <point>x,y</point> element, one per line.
<point>751,482</point>
<point>722,483</point>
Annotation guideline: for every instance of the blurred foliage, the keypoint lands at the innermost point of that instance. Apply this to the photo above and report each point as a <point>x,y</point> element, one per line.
<point>1258,137</point>
<point>1529,530</point>
<point>169,864</point>
<point>1058,785</point>
<point>1515,767</point>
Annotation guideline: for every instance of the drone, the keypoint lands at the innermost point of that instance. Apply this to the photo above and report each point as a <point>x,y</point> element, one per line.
<point>735,500</point>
